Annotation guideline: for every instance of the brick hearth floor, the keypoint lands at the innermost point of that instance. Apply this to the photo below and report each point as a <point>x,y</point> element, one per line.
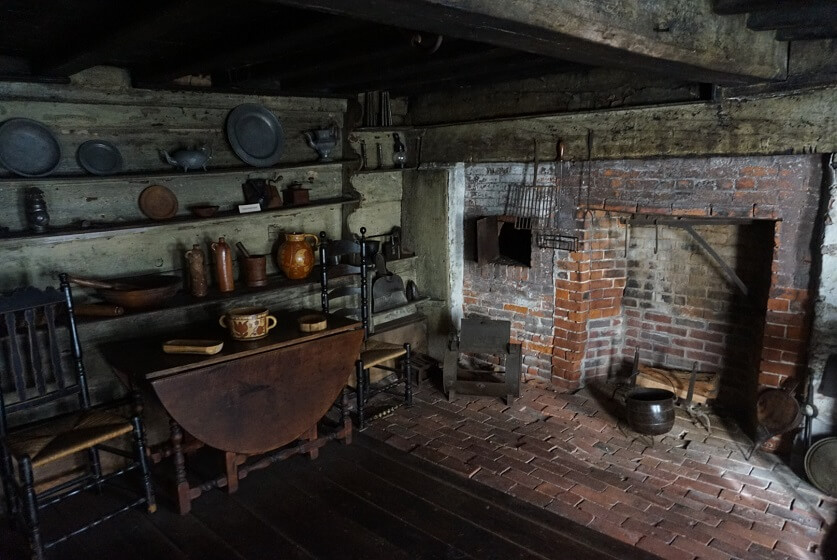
<point>689,495</point>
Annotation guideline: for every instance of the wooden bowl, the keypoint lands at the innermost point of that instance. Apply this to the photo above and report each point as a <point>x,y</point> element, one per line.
<point>204,210</point>
<point>312,323</point>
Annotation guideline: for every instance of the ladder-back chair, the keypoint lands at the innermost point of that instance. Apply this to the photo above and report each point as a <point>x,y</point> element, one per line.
<point>347,260</point>
<point>44,387</point>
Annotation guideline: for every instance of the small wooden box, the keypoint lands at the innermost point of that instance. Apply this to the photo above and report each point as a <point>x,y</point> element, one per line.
<point>295,195</point>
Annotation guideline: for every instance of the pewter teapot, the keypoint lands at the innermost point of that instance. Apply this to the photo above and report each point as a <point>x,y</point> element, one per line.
<point>194,158</point>
<point>323,141</point>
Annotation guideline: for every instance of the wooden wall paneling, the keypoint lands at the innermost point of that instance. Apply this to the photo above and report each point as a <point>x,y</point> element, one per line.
<point>140,131</point>
<point>796,122</point>
<point>379,209</point>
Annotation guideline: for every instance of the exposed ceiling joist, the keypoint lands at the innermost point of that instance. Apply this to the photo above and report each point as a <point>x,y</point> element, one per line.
<point>259,52</point>
<point>802,14</point>
<point>729,7</point>
<point>465,69</point>
<point>681,38</point>
<point>812,33</point>
<point>167,20</point>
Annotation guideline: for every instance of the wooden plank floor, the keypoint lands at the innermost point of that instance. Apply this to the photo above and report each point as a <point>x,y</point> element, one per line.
<point>366,500</point>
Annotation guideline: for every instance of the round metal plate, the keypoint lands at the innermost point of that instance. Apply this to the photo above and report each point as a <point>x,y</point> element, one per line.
<point>158,203</point>
<point>819,465</point>
<point>99,157</point>
<point>255,134</point>
<point>28,148</point>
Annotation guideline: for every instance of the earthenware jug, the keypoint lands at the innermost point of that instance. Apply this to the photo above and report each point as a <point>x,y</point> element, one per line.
<point>295,256</point>
<point>197,273</point>
<point>223,265</point>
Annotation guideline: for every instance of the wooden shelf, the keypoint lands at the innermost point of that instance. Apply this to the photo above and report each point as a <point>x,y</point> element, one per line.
<point>169,175</point>
<point>184,300</point>
<point>60,235</point>
<point>384,129</point>
<point>382,170</point>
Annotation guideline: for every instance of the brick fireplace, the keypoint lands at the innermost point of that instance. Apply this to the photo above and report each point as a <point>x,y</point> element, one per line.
<point>581,314</point>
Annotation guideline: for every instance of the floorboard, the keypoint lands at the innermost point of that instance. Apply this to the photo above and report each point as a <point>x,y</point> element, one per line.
<point>365,500</point>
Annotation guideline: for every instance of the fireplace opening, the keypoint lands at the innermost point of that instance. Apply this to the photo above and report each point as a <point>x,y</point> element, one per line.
<point>515,244</point>
<point>500,241</point>
<point>683,310</point>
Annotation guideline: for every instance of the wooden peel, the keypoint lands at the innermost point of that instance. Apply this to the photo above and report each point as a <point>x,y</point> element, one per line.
<point>191,346</point>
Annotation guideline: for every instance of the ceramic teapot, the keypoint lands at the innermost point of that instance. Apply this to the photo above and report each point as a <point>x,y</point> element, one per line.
<point>295,256</point>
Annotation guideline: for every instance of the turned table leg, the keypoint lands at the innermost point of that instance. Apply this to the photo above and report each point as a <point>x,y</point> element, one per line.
<point>312,436</point>
<point>184,499</point>
<point>345,419</point>
<point>231,464</point>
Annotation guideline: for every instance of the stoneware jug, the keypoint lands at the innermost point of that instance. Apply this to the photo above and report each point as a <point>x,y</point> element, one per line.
<point>295,256</point>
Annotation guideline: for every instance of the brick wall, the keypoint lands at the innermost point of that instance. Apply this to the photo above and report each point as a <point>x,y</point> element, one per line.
<point>585,307</point>
<point>522,295</point>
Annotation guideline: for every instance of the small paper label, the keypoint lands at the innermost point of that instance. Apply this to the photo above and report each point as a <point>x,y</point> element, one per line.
<point>244,208</point>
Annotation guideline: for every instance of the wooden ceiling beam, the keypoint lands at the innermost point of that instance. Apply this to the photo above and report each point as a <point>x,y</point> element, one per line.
<point>679,38</point>
<point>164,21</point>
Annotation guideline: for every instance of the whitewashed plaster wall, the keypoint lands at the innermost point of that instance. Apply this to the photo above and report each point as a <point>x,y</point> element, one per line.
<point>824,331</point>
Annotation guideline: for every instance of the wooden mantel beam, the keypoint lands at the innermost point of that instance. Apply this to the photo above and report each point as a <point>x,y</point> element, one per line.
<point>787,123</point>
<point>680,38</point>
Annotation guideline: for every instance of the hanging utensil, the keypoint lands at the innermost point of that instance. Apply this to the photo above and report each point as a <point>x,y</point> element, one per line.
<point>589,166</point>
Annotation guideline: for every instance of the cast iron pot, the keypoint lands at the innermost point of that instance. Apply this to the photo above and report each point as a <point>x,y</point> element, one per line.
<point>650,411</point>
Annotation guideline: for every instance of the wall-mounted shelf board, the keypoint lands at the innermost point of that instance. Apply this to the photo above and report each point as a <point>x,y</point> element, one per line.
<point>170,175</point>
<point>61,235</point>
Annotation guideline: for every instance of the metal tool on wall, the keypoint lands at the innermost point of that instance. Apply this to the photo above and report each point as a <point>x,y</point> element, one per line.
<point>556,234</point>
<point>528,203</point>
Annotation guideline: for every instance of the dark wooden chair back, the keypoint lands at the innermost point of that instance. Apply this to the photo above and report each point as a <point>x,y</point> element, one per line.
<point>337,259</point>
<point>41,361</point>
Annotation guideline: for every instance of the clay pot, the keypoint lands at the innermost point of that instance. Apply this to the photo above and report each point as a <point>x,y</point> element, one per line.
<point>255,270</point>
<point>295,256</point>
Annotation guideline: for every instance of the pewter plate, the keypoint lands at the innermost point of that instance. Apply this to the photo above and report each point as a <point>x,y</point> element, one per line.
<point>28,148</point>
<point>99,157</point>
<point>819,465</point>
<point>255,134</point>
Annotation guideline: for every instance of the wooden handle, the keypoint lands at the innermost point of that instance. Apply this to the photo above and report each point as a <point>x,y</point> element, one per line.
<point>91,283</point>
<point>243,249</point>
<point>98,310</point>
